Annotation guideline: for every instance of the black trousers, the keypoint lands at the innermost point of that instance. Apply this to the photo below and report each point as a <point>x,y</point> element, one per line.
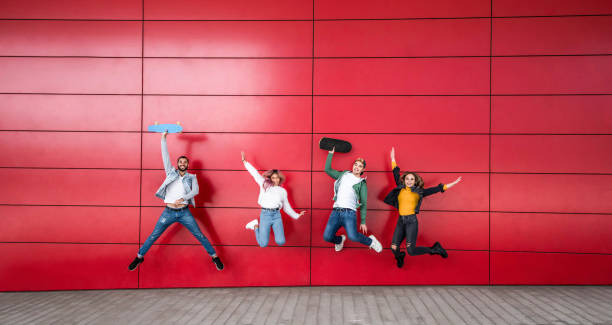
<point>408,228</point>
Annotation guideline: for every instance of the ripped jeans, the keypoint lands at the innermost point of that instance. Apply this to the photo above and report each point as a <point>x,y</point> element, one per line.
<point>170,216</point>
<point>408,227</point>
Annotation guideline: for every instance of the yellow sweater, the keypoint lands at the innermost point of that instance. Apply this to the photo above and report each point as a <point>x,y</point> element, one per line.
<point>407,199</point>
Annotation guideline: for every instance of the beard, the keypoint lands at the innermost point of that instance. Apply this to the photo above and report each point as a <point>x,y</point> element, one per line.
<point>183,168</point>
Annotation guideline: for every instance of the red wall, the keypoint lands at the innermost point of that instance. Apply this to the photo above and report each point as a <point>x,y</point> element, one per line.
<point>515,96</point>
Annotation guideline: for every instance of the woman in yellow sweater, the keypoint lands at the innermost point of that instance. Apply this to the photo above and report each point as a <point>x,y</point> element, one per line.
<point>407,198</point>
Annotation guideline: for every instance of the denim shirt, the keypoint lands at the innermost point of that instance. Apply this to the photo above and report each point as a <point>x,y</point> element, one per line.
<point>190,182</point>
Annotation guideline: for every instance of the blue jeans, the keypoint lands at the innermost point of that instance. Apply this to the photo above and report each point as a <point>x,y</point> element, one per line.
<point>170,216</point>
<point>270,219</point>
<point>346,218</point>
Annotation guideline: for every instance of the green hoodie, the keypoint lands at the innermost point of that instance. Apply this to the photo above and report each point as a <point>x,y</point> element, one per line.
<point>361,188</point>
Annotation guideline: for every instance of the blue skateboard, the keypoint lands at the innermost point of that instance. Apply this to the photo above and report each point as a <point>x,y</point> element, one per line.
<point>170,128</point>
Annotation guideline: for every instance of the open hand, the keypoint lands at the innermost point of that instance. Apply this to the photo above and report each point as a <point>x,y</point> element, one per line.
<point>392,153</point>
<point>242,154</point>
<point>363,228</point>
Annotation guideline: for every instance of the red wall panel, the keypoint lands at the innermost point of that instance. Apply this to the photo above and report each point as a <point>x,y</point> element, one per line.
<point>550,268</point>
<point>555,35</point>
<point>470,195</point>
<point>363,266</point>
<point>71,9</point>
<point>551,153</point>
<point>66,38</point>
<point>393,38</point>
<point>228,38</point>
<point>347,9</point>
<point>65,150</point>
<point>229,188</point>
<point>222,150</point>
<point>223,10</point>
<point>551,114</point>
<point>190,266</point>
<point>551,7</point>
<point>70,112</point>
<point>225,226</point>
<point>431,152</point>
<point>70,75</point>
<point>231,113</point>
<point>551,193</point>
<point>401,114</point>
<point>552,75</point>
<point>70,224</point>
<point>433,226</point>
<point>547,232</point>
<point>228,77</point>
<point>240,75</point>
<point>70,187</point>
<point>447,76</point>
<point>66,267</point>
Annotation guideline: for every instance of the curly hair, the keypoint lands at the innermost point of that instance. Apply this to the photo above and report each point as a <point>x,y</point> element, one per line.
<point>418,181</point>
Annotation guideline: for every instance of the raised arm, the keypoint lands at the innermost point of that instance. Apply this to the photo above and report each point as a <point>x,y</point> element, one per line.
<point>395,168</point>
<point>328,168</point>
<point>165,155</point>
<point>256,175</point>
<point>288,209</point>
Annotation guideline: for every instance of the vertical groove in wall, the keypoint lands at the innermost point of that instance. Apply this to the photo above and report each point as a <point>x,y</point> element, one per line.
<point>141,131</point>
<point>490,122</point>
<point>311,143</point>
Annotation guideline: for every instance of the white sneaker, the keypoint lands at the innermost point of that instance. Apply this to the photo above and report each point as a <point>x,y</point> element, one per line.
<point>251,225</point>
<point>375,244</point>
<point>341,245</point>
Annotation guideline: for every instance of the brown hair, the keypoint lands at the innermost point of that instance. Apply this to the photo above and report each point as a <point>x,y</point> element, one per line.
<point>362,161</point>
<point>418,181</point>
<point>268,177</point>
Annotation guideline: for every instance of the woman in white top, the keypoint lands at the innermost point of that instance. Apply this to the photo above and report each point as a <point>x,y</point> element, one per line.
<point>272,197</point>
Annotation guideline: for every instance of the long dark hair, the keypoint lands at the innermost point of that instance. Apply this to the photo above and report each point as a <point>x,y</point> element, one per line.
<point>268,178</point>
<point>418,181</point>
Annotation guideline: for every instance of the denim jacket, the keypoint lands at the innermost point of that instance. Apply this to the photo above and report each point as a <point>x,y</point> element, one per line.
<point>190,182</point>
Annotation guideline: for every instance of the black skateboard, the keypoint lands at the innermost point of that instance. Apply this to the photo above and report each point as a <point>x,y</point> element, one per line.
<point>330,143</point>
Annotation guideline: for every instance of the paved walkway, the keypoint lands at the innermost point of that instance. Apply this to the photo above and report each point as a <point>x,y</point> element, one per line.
<point>314,305</point>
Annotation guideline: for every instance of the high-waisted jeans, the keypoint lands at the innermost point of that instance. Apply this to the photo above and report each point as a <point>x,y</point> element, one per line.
<point>408,227</point>
<point>346,218</point>
<point>170,216</point>
<point>270,219</point>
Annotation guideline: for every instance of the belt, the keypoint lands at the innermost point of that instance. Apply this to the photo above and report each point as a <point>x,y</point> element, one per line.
<point>275,209</point>
<point>343,209</point>
<point>179,209</point>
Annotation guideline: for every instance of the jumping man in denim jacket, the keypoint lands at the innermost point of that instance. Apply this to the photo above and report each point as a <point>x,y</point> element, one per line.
<point>350,193</point>
<point>178,191</point>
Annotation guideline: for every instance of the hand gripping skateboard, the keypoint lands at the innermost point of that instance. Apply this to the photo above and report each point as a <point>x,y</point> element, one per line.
<point>330,143</point>
<point>170,128</point>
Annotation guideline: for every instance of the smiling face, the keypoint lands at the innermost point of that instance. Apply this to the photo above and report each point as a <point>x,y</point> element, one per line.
<point>358,168</point>
<point>275,179</point>
<point>183,164</point>
<point>409,180</point>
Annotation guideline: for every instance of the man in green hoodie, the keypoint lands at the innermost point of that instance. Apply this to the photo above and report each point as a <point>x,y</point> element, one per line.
<point>350,193</point>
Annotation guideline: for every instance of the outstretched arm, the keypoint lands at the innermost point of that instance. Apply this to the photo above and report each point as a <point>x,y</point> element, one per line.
<point>363,209</point>
<point>328,168</point>
<point>288,209</point>
<point>440,188</point>
<point>256,175</point>
<point>165,155</point>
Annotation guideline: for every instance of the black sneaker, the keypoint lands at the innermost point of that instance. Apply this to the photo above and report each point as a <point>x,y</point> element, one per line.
<point>400,259</point>
<point>135,263</point>
<point>218,263</point>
